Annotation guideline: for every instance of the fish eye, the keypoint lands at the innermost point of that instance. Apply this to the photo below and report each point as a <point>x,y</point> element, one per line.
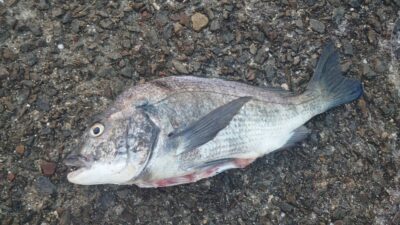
<point>97,129</point>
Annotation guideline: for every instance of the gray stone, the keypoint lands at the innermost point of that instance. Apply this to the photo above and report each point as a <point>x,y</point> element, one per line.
<point>31,59</point>
<point>338,14</point>
<point>179,66</point>
<point>128,72</point>
<point>347,47</point>
<point>215,25</point>
<point>43,5</point>
<point>44,186</point>
<point>261,56</point>
<point>67,18</point>
<point>317,25</point>
<point>368,72</point>
<point>43,103</point>
<point>3,73</point>
<point>355,3</point>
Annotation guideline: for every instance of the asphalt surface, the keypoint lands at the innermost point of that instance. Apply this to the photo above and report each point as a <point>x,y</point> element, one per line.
<point>63,61</point>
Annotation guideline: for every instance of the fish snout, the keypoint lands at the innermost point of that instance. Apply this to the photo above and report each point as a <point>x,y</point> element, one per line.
<point>77,160</point>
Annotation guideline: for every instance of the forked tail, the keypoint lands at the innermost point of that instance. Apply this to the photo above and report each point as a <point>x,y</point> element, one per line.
<point>329,84</point>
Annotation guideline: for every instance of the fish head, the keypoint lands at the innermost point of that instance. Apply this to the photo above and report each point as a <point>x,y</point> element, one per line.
<point>113,150</point>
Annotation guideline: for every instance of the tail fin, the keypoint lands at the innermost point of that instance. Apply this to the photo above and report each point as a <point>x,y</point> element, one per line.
<point>328,82</point>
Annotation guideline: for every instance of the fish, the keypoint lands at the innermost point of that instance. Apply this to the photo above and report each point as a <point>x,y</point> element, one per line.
<point>182,129</point>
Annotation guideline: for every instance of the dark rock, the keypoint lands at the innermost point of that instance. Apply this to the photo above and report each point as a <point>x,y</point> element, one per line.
<point>396,53</point>
<point>258,36</point>
<point>67,18</point>
<point>228,37</point>
<point>56,12</point>
<point>36,30</point>
<point>106,200</point>
<point>261,56</point>
<point>338,14</point>
<point>23,96</point>
<point>4,33</point>
<point>128,72</point>
<point>107,71</point>
<point>347,47</point>
<point>8,54</point>
<point>338,222</point>
<point>27,83</point>
<point>44,186</point>
<point>355,3</point>
<point>43,5</point>
<point>31,59</point>
<point>180,67</point>
<point>75,26</point>
<point>65,217</point>
<point>27,47</point>
<point>3,73</point>
<point>43,103</point>
<point>106,23</point>
<point>379,66</point>
<point>215,25</point>
<point>317,25</point>
<point>310,2</point>
<point>372,37</point>
<point>368,72</point>
<point>299,23</point>
<point>270,71</point>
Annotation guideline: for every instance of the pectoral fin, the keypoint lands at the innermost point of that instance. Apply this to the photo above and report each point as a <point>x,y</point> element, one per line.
<point>206,128</point>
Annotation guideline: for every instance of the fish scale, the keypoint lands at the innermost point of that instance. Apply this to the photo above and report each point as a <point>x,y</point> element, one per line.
<point>249,128</point>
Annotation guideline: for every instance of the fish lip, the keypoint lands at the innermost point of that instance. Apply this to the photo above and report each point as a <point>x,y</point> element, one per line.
<point>77,160</point>
<point>74,173</point>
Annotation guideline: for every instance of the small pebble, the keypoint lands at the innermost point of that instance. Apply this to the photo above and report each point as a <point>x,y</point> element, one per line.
<point>3,73</point>
<point>48,168</point>
<point>253,49</point>
<point>363,107</point>
<point>317,25</point>
<point>177,27</point>
<point>199,21</point>
<point>60,46</point>
<point>180,67</point>
<point>10,177</point>
<point>284,86</point>
<point>20,149</point>
<point>44,186</point>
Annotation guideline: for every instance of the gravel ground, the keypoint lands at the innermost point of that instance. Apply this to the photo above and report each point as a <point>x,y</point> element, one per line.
<point>62,62</point>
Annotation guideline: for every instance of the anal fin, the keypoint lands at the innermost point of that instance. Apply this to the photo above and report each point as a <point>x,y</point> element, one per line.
<point>298,135</point>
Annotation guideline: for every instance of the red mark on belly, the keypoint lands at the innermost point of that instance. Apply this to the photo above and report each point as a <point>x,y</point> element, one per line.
<point>201,174</point>
<point>242,163</point>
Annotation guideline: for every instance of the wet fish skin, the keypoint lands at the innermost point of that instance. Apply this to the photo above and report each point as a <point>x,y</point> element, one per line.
<point>179,130</point>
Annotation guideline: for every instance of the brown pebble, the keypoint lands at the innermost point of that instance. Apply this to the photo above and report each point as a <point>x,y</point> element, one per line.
<point>338,222</point>
<point>20,149</point>
<point>251,75</point>
<point>48,168</point>
<point>199,21</point>
<point>10,177</point>
<point>363,106</point>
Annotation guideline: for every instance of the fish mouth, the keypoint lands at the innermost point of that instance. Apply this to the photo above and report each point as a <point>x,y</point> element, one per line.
<point>78,162</point>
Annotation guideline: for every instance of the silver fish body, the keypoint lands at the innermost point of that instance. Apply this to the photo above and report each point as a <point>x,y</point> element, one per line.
<point>178,130</point>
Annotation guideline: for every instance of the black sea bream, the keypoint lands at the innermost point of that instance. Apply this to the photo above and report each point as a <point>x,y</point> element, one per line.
<point>178,130</point>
